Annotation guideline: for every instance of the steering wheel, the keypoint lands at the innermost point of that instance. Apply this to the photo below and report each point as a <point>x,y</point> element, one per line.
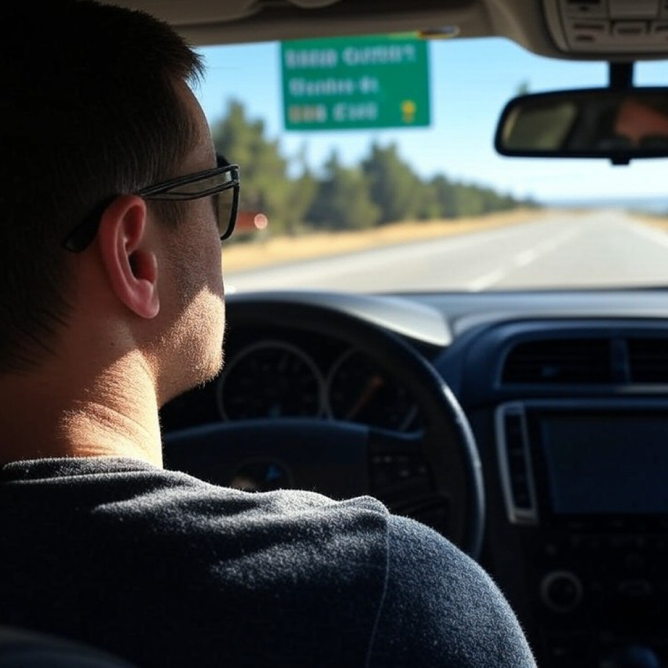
<point>432,475</point>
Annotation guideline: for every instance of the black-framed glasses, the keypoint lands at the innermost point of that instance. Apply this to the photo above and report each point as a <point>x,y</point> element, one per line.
<point>221,182</point>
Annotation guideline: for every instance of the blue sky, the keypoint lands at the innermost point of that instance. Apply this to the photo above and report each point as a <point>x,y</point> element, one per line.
<point>470,82</point>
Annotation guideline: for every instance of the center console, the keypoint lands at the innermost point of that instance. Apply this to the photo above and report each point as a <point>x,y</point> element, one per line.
<point>586,484</point>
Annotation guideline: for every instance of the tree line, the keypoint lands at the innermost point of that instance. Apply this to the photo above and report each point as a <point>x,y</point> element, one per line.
<point>383,188</point>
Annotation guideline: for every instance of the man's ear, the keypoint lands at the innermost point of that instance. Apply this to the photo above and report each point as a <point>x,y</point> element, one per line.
<point>128,255</point>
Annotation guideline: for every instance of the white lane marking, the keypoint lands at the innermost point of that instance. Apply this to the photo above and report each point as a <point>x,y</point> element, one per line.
<point>521,259</point>
<point>486,280</point>
<point>526,257</point>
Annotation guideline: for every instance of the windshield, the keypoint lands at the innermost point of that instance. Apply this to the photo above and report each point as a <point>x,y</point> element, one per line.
<point>428,206</point>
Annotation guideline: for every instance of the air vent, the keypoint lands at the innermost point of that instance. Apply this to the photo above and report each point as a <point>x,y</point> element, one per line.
<point>648,360</point>
<point>559,361</point>
<point>515,465</point>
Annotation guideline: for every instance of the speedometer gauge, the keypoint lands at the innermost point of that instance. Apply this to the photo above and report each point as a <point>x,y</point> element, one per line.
<point>359,391</point>
<point>270,379</point>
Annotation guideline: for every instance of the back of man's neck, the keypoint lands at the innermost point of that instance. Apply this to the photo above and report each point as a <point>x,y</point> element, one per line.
<point>97,416</point>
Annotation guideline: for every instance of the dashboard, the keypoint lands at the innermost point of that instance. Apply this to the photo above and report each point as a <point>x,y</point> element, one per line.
<point>566,396</point>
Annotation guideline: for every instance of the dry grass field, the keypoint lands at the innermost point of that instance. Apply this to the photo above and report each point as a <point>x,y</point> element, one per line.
<point>266,250</point>
<point>657,221</point>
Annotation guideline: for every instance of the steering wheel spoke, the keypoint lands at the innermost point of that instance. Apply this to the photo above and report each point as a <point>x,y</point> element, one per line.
<point>401,477</point>
<point>397,465</point>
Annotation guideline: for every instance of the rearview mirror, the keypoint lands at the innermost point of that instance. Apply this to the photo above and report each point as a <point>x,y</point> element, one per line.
<point>617,124</point>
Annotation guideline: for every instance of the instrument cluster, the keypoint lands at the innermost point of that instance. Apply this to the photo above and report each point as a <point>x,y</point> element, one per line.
<point>276,377</point>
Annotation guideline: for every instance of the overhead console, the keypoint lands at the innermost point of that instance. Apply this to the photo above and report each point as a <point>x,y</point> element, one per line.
<point>598,27</point>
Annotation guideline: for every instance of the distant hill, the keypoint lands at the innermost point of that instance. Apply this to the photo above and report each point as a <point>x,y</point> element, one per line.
<point>650,204</point>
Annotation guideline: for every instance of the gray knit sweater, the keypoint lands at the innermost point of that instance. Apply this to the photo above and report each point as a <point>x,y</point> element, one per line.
<point>166,570</point>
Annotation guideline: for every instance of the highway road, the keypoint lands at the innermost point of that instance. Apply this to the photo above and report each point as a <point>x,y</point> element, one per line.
<point>602,248</point>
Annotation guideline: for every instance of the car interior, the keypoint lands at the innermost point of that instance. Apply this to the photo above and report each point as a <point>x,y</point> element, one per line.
<point>526,422</point>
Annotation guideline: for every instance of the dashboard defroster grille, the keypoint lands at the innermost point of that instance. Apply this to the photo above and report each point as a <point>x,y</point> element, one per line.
<point>560,361</point>
<point>648,360</point>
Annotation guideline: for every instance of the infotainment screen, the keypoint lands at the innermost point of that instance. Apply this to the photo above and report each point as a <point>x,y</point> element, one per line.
<point>612,463</point>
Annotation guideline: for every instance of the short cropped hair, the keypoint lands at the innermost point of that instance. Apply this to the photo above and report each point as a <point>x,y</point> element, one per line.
<point>89,109</point>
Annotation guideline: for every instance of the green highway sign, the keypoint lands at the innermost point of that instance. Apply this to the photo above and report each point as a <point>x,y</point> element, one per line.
<point>351,83</point>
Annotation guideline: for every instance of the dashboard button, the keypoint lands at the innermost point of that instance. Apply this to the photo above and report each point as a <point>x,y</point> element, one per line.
<point>561,591</point>
<point>636,589</point>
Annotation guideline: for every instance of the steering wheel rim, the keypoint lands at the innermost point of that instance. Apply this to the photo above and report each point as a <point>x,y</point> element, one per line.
<point>218,452</point>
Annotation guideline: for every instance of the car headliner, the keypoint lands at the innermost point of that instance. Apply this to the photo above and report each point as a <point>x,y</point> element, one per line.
<point>207,22</point>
